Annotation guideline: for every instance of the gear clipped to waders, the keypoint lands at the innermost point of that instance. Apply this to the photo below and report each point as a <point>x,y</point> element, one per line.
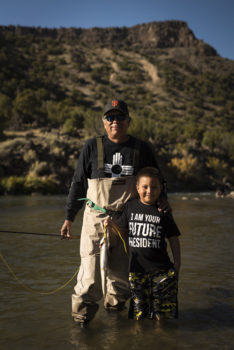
<point>107,212</point>
<point>93,205</point>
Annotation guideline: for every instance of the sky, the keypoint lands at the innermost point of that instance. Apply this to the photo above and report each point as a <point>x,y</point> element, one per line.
<point>210,20</point>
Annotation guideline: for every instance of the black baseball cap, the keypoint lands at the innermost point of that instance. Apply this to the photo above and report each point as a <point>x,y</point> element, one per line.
<point>117,105</point>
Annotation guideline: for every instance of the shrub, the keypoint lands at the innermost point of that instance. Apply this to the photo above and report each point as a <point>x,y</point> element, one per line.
<point>30,156</point>
<point>187,167</point>
<point>45,185</point>
<point>26,185</point>
<point>100,74</point>
<point>13,185</point>
<point>69,125</point>
<point>93,123</point>
<point>193,131</point>
<point>227,145</point>
<point>58,112</point>
<point>124,64</point>
<point>218,167</point>
<point>39,168</point>
<point>138,128</point>
<point>211,139</point>
<point>28,106</point>
<point>5,111</point>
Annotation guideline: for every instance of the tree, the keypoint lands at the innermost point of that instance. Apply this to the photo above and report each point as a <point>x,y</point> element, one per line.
<point>26,106</point>
<point>5,111</point>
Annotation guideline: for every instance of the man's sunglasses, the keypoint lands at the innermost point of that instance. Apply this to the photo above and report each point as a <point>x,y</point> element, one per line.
<point>118,117</point>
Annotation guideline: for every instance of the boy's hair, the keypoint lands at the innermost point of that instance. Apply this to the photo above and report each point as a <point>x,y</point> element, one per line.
<point>149,172</point>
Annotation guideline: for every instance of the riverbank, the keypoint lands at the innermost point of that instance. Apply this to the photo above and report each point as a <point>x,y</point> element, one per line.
<point>43,161</point>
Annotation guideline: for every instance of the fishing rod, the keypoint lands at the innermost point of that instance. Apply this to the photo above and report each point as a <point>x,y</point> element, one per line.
<point>39,234</point>
<point>26,287</point>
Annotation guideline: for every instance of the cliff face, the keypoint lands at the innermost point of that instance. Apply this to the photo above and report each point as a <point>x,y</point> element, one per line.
<point>166,34</point>
<point>163,35</point>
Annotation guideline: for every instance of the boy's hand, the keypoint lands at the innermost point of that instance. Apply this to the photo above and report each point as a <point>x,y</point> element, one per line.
<point>108,221</point>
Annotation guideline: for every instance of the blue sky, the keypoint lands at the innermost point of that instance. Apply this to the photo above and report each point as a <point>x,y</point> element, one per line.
<point>210,20</point>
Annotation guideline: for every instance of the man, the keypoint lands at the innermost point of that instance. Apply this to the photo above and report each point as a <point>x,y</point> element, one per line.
<point>106,175</point>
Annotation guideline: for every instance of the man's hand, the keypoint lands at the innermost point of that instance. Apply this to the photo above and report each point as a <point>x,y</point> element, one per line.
<point>66,230</point>
<point>163,205</point>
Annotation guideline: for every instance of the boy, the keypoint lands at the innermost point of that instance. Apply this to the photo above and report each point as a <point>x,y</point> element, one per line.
<point>153,277</point>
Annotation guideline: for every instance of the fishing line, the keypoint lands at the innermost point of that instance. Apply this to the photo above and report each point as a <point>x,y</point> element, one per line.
<point>94,206</point>
<point>124,244</point>
<point>31,289</point>
<point>120,236</point>
<point>10,270</point>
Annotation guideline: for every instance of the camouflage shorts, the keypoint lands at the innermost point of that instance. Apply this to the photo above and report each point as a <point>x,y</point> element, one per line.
<point>153,295</point>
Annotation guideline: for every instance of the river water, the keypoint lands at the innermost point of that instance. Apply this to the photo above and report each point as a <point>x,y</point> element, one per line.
<point>29,320</point>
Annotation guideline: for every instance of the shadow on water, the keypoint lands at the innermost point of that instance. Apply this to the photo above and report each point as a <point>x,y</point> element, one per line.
<point>116,332</point>
<point>193,330</point>
<point>218,316</point>
<point>120,333</point>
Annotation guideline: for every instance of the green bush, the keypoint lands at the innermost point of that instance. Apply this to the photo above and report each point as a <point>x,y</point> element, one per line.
<point>100,74</point>
<point>212,139</point>
<point>58,112</point>
<point>26,185</point>
<point>13,185</point>
<point>30,156</point>
<point>41,185</point>
<point>124,64</point>
<point>39,169</point>
<point>70,125</point>
<point>5,111</point>
<point>138,128</point>
<point>193,131</point>
<point>28,106</point>
<point>227,145</point>
<point>93,123</point>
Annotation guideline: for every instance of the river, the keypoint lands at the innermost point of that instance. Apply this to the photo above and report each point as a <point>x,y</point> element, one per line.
<point>33,321</point>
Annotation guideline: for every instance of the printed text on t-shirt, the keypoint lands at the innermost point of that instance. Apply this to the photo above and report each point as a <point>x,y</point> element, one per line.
<point>147,228</point>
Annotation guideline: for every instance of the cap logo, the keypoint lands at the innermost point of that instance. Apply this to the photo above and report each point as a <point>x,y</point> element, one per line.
<point>115,103</point>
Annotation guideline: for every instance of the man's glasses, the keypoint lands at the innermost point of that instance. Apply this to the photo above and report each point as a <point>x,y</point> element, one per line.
<point>118,117</point>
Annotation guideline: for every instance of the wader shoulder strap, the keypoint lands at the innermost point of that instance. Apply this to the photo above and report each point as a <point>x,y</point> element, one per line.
<point>100,152</point>
<point>100,156</point>
<point>136,154</point>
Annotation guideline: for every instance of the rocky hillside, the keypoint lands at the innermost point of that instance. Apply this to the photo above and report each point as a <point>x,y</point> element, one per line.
<point>54,83</point>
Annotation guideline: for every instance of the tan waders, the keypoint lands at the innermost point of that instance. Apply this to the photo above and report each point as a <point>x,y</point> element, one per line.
<point>112,194</point>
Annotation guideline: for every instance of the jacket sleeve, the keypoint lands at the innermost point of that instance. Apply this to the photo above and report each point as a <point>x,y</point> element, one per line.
<point>79,184</point>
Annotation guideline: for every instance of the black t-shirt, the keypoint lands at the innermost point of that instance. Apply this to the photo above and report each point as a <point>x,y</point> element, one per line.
<point>148,229</point>
<point>116,156</point>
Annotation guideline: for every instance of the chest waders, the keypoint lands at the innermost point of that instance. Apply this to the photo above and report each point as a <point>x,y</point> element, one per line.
<point>111,194</point>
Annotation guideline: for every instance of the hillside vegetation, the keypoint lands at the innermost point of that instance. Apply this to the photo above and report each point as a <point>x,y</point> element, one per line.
<point>55,82</point>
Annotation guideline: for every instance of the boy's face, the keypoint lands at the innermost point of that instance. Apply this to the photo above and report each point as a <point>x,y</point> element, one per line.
<point>149,189</point>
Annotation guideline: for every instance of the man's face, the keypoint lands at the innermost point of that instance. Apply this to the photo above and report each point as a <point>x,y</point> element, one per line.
<point>116,129</point>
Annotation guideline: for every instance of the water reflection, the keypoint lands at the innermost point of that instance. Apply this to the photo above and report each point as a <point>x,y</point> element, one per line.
<point>104,331</point>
